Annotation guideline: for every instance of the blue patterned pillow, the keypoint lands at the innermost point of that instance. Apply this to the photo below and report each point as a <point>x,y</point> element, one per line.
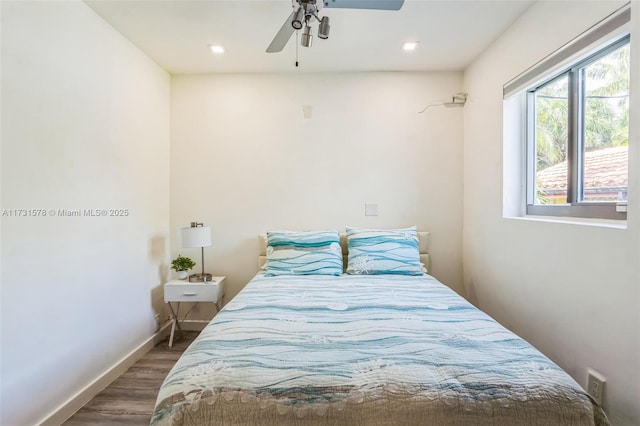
<point>303,253</point>
<point>378,251</point>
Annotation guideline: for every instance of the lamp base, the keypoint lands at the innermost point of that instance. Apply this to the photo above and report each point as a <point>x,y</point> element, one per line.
<point>198,278</point>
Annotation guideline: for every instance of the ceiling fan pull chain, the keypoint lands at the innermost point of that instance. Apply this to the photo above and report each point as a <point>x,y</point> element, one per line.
<point>296,49</point>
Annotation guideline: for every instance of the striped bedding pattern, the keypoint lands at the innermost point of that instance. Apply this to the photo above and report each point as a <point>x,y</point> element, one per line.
<point>364,350</point>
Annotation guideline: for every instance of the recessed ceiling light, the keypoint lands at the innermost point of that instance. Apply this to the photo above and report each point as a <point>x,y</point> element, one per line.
<point>217,49</point>
<point>408,46</point>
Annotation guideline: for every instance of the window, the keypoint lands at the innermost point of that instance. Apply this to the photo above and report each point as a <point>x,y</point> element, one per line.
<point>571,109</point>
<point>578,137</point>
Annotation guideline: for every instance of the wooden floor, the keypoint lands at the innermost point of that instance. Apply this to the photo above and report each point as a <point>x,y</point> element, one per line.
<point>130,399</point>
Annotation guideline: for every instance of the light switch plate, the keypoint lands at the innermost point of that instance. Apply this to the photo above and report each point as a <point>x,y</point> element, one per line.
<point>371,209</point>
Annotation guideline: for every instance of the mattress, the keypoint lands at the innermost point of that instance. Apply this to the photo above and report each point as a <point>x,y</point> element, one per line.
<point>364,350</point>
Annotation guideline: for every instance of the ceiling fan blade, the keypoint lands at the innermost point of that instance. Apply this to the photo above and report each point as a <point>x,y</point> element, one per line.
<point>365,4</point>
<point>283,36</point>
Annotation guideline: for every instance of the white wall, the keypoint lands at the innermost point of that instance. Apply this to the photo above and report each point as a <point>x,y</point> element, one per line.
<point>571,290</point>
<point>244,160</point>
<point>84,126</point>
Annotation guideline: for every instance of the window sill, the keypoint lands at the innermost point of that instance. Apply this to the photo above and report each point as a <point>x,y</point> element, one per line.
<point>603,223</point>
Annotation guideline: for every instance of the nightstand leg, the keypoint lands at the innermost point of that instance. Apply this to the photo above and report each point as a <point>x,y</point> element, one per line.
<point>177,317</point>
<point>174,315</point>
<point>173,330</point>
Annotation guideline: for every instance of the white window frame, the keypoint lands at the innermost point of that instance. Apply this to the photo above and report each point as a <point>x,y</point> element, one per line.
<point>575,207</point>
<point>604,37</point>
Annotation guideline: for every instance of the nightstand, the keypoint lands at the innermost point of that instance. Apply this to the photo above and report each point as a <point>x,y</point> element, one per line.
<point>184,291</point>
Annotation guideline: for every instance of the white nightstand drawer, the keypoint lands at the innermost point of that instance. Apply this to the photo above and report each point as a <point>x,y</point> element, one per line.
<point>181,291</point>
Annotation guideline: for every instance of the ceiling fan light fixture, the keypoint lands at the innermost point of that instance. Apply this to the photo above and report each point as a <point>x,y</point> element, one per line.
<point>306,38</point>
<point>302,12</point>
<point>298,17</point>
<point>324,28</point>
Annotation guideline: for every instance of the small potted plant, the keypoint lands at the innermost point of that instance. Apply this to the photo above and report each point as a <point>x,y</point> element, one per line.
<point>181,265</point>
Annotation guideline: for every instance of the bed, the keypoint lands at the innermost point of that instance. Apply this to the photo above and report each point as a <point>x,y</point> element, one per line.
<point>364,350</point>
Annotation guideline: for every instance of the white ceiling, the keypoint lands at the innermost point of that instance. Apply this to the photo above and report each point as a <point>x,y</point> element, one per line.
<point>177,33</point>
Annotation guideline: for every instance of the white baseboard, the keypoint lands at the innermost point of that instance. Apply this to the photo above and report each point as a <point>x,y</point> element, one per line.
<point>76,402</point>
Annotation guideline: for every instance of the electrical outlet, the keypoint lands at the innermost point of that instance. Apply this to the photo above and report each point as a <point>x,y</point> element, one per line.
<point>595,385</point>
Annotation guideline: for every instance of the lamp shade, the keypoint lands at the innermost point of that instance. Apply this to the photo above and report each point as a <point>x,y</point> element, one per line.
<point>196,236</point>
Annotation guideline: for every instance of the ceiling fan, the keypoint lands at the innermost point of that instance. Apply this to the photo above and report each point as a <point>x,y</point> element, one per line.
<point>308,10</point>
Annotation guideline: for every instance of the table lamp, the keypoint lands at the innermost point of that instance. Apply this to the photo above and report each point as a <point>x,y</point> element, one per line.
<point>197,235</point>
